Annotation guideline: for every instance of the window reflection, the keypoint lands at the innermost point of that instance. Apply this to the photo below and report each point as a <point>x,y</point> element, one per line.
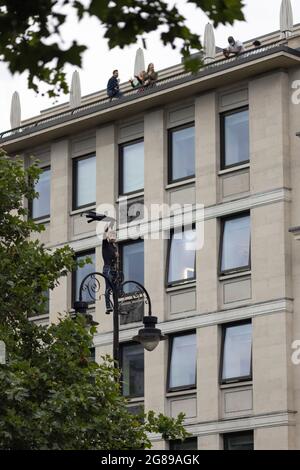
<point>236,243</point>
<point>182,373</point>
<point>85,181</point>
<point>40,207</point>
<point>182,256</point>
<point>182,153</point>
<point>237,351</point>
<point>236,138</point>
<point>132,167</point>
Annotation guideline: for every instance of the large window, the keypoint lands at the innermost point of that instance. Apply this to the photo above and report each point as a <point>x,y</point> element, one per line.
<point>182,256</point>
<point>235,138</point>
<point>84,181</point>
<point>80,274</point>
<point>39,208</point>
<point>235,244</point>
<point>188,444</point>
<point>181,153</point>
<point>236,362</point>
<point>132,365</point>
<point>239,441</point>
<point>182,362</point>
<point>131,167</point>
<point>132,262</point>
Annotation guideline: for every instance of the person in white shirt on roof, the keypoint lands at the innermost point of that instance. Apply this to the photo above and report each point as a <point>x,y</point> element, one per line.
<point>235,48</point>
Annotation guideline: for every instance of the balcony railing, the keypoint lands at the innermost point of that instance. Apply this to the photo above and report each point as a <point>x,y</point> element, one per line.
<point>165,83</point>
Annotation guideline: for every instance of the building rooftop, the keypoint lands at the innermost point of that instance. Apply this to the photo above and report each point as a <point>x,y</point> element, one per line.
<point>174,83</point>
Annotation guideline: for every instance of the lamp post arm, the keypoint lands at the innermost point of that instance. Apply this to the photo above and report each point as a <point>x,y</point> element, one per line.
<point>145,292</point>
<point>90,275</point>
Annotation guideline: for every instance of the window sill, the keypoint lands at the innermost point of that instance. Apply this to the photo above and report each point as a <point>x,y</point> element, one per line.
<point>178,184</point>
<point>187,285</point>
<point>224,277</point>
<point>180,393</point>
<point>82,210</point>
<point>236,384</point>
<point>136,400</point>
<point>39,317</point>
<point>234,169</point>
<point>125,198</point>
<point>46,220</point>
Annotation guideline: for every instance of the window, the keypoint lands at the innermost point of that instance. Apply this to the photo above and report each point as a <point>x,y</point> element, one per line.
<point>182,362</point>
<point>239,441</point>
<point>234,138</point>
<point>187,444</point>
<point>236,353</point>
<point>131,167</point>
<point>181,153</point>
<point>182,256</point>
<point>132,261</point>
<point>80,274</point>
<point>39,208</point>
<point>132,365</point>
<point>235,244</point>
<point>84,181</point>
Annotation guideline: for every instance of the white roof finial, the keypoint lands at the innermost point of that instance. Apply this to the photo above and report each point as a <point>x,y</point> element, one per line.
<point>139,63</point>
<point>209,44</point>
<point>75,93</point>
<point>286,19</point>
<point>15,111</point>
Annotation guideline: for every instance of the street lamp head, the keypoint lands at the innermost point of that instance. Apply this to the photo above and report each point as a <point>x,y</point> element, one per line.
<point>149,336</point>
<point>80,306</point>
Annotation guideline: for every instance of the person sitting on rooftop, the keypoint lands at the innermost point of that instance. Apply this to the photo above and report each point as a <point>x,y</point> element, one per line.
<point>113,86</point>
<point>235,48</point>
<point>151,76</point>
<point>138,81</point>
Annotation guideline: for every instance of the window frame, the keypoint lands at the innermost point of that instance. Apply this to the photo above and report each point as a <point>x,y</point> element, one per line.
<point>85,253</point>
<point>241,269</point>
<point>121,166</point>
<point>170,153</point>
<point>75,181</point>
<point>30,201</point>
<point>170,349</point>
<point>182,281</point>
<point>121,348</point>
<point>223,140</point>
<point>121,249</point>
<point>233,380</point>
<point>232,434</point>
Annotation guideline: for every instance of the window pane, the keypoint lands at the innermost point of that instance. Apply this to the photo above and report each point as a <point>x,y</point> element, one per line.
<point>188,444</point>
<point>239,441</point>
<point>237,138</point>
<point>183,361</point>
<point>133,370</point>
<point>236,243</point>
<point>237,352</point>
<point>81,273</point>
<point>41,206</point>
<point>133,167</point>
<point>133,263</point>
<point>182,256</point>
<point>85,175</point>
<point>183,153</point>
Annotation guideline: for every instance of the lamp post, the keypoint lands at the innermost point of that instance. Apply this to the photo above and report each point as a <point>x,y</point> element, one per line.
<point>149,336</point>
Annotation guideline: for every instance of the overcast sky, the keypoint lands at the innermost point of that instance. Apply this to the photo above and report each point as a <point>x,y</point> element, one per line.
<point>262,16</point>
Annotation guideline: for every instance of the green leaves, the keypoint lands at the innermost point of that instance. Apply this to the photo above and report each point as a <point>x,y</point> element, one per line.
<point>27,29</point>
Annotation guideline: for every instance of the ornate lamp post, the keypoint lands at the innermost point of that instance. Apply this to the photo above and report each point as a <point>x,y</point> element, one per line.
<point>149,336</point>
